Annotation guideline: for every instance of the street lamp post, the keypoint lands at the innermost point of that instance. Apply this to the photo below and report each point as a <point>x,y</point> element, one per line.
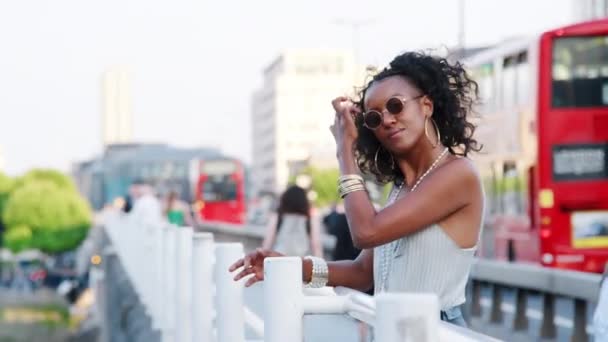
<point>355,26</point>
<point>461,24</point>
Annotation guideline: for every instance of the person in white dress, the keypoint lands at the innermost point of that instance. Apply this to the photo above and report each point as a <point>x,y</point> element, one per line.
<point>291,231</point>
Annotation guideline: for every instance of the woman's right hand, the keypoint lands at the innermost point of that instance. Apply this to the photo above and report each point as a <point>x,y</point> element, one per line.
<point>253,263</point>
<point>344,129</point>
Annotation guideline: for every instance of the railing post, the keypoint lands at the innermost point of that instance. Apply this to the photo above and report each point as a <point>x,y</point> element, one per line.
<point>548,329</point>
<point>475,298</point>
<point>496,314</point>
<point>162,278</point>
<point>396,321</point>
<point>143,265</point>
<point>520,322</point>
<point>103,295</point>
<point>134,248</point>
<point>579,332</point>
<point>229,294</point>
<point>112,330</point>
<point>183,326</point>
<point>158,270</point>
<point>202,283</point>
<point>283,299</point>
<point>170,295</point>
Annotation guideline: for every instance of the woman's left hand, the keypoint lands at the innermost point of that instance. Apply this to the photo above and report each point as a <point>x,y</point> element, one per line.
<point>252,264</point>
<point>344,129</point>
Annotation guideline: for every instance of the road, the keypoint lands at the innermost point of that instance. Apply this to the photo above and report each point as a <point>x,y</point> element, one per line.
<point>32,317</point>
<point>564,310</point>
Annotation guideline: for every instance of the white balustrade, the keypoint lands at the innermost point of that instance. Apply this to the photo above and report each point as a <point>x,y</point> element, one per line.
<point>158,269</point>
<point>283,299</point>
<point>170,293</point>
<point>397,321</point>
<point>174,270</point>
<point>229,294</point>
<point>202,294</point>
<point>183,266</point>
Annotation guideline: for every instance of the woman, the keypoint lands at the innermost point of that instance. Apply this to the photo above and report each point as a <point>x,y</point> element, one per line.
<point>176,211</point>
<point>411,128</point>
<point>291,231</point>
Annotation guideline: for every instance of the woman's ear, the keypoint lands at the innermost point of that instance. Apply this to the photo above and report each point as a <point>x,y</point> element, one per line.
<point>427,106</point>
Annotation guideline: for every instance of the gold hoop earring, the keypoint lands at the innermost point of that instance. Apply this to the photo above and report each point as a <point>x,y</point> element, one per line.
<point>376,161</point>
<point>436,132</point>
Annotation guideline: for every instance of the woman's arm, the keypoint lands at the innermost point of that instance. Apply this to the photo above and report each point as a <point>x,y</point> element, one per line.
<point>448,189</point>
<point>356,274</point>
<point>271,231</point>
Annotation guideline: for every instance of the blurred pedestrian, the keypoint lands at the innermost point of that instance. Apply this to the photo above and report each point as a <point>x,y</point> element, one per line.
<point>334,211</point>
<point>146,206</point>
<point>291,230</point>
<point>128,204</point>
<point>337,225</point>
<point>177,211</point>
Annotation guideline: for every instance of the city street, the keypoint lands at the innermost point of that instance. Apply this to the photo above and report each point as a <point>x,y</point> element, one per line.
<point>33,317</point>
<point>431,150</point>
<point>563,320</point>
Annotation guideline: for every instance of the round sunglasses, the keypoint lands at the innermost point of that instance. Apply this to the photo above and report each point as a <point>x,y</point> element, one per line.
<point>372,119</point>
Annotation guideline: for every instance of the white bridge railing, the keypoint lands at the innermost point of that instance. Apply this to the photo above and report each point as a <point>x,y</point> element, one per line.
<point>182,279</point>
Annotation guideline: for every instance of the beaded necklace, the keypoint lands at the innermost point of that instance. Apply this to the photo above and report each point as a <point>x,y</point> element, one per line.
<point>391,247</point>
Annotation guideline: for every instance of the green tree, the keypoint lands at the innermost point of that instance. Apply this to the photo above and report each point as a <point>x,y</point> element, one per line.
<point>324,182</point>
<point>59,179</point>
<point>58,217</point>
<point>18,238</point>
<point>325,185</point>
<point>6,186</point>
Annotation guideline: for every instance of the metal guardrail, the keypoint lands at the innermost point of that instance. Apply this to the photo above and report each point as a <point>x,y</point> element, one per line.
<point>571,284</point>
<point>166,264</point>
<point>581,288</point>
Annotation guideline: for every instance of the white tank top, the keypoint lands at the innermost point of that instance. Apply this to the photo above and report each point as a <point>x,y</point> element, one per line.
<point>426,261</point>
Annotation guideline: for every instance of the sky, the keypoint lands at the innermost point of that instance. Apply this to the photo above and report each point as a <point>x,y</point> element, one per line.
<point>195,64</point>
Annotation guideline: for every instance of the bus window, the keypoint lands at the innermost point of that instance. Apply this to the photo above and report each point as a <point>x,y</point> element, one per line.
<point>523,78</point>
<point>580,72</point>
<point>219,189</point>
<point>511,189</point>
<point>485,79</point>
<point>509,82</point>
<point>497,188</point>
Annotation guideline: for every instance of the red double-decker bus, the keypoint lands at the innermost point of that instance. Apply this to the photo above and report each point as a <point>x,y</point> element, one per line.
<point>544,124</point>
<point>221,191</point>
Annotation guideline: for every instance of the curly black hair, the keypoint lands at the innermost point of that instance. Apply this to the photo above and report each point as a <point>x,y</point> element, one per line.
<point>453,94</point>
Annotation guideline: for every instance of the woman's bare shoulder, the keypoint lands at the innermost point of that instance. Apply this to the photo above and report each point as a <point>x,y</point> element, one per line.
<point>462,172</point>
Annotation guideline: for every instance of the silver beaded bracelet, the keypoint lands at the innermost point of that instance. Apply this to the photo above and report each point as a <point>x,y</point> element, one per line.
<point>320,272</point>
